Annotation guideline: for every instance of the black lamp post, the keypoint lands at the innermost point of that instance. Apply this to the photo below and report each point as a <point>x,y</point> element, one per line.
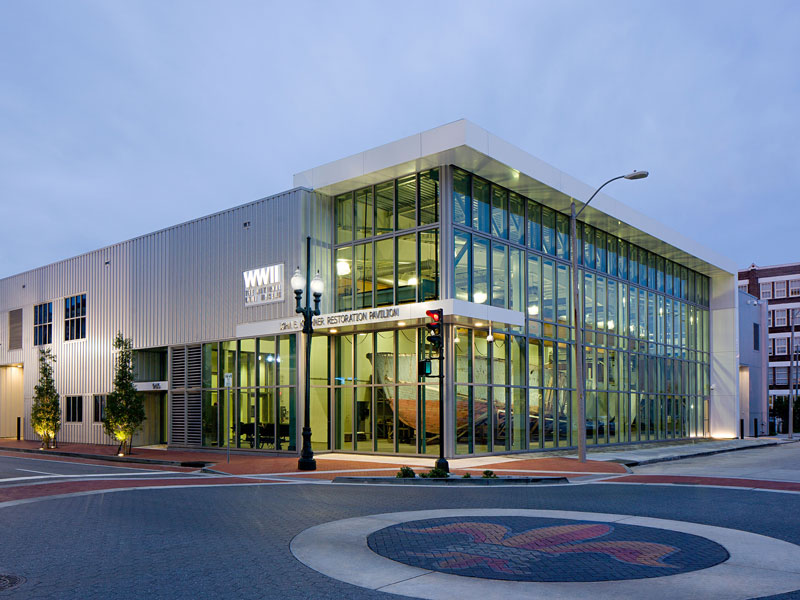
<point>314,286</point>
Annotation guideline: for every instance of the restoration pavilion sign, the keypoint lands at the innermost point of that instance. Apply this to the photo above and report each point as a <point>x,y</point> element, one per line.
<point>264,285</point>
<point>346,318</point>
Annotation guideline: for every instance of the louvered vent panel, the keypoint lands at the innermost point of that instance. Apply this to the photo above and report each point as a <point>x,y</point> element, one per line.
<point>194,418</point>
<point>178,420</point>
<point>15,329</point>
<point>194,367</point>
<point>178,368</point>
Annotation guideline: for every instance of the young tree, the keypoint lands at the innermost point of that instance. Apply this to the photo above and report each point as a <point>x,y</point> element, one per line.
<point>125,406</point>
<point>46,410</point>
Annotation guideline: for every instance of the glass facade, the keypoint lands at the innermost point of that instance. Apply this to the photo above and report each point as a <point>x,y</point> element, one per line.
<point>366,393</point>
<point>645,321</point>
<point>387,243</point>
<point>258,411</point>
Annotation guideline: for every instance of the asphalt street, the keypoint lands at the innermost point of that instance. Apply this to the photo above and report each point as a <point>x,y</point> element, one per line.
<point>234,541</point>
<point>17,468</point>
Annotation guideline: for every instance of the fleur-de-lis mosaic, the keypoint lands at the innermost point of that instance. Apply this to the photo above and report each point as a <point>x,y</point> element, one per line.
<point>492,545</point>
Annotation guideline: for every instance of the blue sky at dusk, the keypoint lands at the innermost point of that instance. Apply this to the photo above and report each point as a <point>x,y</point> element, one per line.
<point>121,118</point>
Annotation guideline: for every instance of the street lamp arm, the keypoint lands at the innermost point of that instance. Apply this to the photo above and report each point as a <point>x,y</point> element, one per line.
<point>578,214</point>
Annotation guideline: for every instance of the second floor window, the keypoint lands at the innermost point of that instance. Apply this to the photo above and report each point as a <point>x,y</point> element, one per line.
<point>766,291</point>
<point>43,324</point>
<point>780,289</point>
<point>75,317</point>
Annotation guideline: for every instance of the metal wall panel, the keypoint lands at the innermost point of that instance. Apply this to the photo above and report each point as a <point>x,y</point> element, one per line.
<point>178,286</point>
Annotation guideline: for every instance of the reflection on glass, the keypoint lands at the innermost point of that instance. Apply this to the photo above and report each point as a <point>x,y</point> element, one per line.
<point>320,418</point>
<point>516,280</point>
<point>429,265</point>
<point>563,299</point>
<point>407,268</point>
<point>535,417</point>
<point>213,429</point>
<point>463,355</point>
<point>364,213</point>
<point>364,418</point>
<point>500,418</point>
<point>481,417</point>
<point>429,399</point>
<point>516,220</point>
<point>499,275</point>
<point>406,202</point>
<point>548,290</point>
<point>429,197</point>
<point>363,262</point>
<point>364,358</point>
<point>210,366</point>
<point>344,218</point>
<point>319,360</point>
<point>462,198</point>
<point>384,272</point>
<point>247,363</point>
<point>480,365</point>
<point>343,399</point>
<point>534,286</point>
<point>384,208</point>
<point>534,225</point>
<point>562,236</point>
<point>499,212</point>
<point>462,266</point>
<point>499,359</point>
<point>480,270</point>
<point>481,205</point>
<point>344,278</point>
<point>548,230</point>
<point>464,419</point>
<point>287,358</point>
<point>343,374</point>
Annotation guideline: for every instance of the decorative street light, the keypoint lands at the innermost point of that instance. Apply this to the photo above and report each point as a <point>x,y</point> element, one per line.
<point>315,286</point>
<point>579,359</point>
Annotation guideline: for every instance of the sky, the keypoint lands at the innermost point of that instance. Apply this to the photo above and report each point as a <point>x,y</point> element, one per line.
<point>122,118</point>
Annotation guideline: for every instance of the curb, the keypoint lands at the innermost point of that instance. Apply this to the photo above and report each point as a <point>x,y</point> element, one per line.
<point>122,459</point>
<point>454,480</point>
<point>651,461</point>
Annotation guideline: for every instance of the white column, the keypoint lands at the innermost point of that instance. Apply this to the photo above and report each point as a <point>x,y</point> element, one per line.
<point>724,403</point>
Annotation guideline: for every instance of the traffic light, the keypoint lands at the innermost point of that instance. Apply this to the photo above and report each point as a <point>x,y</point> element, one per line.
<point>435,330</point>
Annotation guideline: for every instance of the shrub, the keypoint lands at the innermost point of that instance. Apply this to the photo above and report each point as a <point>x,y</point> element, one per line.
<point>487,474</point>
<point>405,472</point>
<point>436,473</point>
<point>466,476</point>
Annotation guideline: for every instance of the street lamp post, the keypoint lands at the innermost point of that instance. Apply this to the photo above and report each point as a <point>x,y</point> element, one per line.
<point>792,373</point>
<point>579,359</point>
<point>314,286</point>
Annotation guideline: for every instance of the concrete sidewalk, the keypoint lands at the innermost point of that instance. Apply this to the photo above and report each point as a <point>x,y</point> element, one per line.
<point>645,454</point>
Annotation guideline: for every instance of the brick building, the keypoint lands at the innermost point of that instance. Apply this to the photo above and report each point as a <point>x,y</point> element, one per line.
<point>779,287</point>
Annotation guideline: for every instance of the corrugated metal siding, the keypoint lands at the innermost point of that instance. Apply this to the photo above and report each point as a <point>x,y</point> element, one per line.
<point>178,286</point>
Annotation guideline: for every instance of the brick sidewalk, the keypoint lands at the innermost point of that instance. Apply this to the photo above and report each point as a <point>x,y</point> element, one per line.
<point>257,464</point>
